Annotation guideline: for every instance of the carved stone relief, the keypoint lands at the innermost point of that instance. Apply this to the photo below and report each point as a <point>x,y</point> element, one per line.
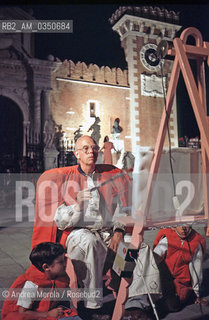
<point>151,85</point>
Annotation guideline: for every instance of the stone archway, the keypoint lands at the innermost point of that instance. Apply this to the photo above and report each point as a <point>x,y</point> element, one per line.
<point>11,135</point>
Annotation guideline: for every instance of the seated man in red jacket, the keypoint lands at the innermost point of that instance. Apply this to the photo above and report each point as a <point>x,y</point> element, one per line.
<point>47,273</point>
<point>69,202</point>
<point>76,206</point>
<point>182,249</point>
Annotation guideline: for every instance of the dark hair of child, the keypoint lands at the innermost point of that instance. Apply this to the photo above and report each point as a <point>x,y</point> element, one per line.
<point>45,252</point>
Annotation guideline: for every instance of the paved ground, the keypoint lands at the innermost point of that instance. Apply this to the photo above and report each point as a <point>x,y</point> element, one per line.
<point>15,246</point>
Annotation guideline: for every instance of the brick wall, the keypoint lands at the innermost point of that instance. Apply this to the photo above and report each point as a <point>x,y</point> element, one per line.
<point>150,108</point>
<point>76,85</point>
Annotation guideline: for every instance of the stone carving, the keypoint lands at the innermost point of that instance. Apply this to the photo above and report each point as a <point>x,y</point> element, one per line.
<point>116,129</point>
<point>58,137</point>
<point>128,162</point>
<point>49,134</point>
<point>78,133</point>
<point>21,93</point>
<point>151,85</point>
<point>95,128</point>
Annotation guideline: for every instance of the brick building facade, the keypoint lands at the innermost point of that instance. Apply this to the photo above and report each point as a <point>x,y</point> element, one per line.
<point>136,96</point>
<point>76,97</point>
<point>81,94</point>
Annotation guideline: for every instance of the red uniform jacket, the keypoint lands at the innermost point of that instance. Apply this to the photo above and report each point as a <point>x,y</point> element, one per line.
<point>178,258</point>
<point>34,275</point>
<point>61,185</point>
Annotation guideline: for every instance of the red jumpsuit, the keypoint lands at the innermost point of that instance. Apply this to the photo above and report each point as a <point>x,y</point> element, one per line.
<point>179,255</point>
<point>10,307</point>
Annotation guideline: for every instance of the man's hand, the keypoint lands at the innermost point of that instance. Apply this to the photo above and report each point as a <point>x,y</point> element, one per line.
<point>116,239</point>
<point>82,197</point>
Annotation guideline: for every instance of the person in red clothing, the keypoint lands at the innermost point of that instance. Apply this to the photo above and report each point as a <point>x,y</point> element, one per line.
<point>182,249</point>
<point>108,146</point>
<point>47,273</point>
<point>72,187</point>
<point>75,206</point>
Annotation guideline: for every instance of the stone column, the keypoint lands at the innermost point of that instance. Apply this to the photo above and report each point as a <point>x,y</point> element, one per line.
<point>26,126</point>
<point>48,129</point>
<point>46,103</point>
<point>37,110</point>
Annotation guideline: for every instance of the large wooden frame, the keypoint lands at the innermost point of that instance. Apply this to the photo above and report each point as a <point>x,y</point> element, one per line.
<point>197,94</point>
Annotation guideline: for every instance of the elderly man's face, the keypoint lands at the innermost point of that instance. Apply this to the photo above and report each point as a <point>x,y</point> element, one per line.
<point>183,231</point>
<point>86,151</point>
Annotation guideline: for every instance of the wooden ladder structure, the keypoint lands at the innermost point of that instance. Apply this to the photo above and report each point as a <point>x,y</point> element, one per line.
<point>197,94</point>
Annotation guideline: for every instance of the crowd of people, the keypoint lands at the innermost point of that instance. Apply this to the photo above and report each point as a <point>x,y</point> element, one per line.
<point>75,209</point>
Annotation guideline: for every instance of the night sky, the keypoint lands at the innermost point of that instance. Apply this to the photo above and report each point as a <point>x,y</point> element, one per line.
<point>94,41</point>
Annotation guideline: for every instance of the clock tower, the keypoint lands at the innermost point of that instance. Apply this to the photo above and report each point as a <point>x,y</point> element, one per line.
<point>141,29</point>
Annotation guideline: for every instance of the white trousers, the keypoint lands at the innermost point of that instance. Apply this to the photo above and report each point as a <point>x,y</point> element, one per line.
<point>88,252</point>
